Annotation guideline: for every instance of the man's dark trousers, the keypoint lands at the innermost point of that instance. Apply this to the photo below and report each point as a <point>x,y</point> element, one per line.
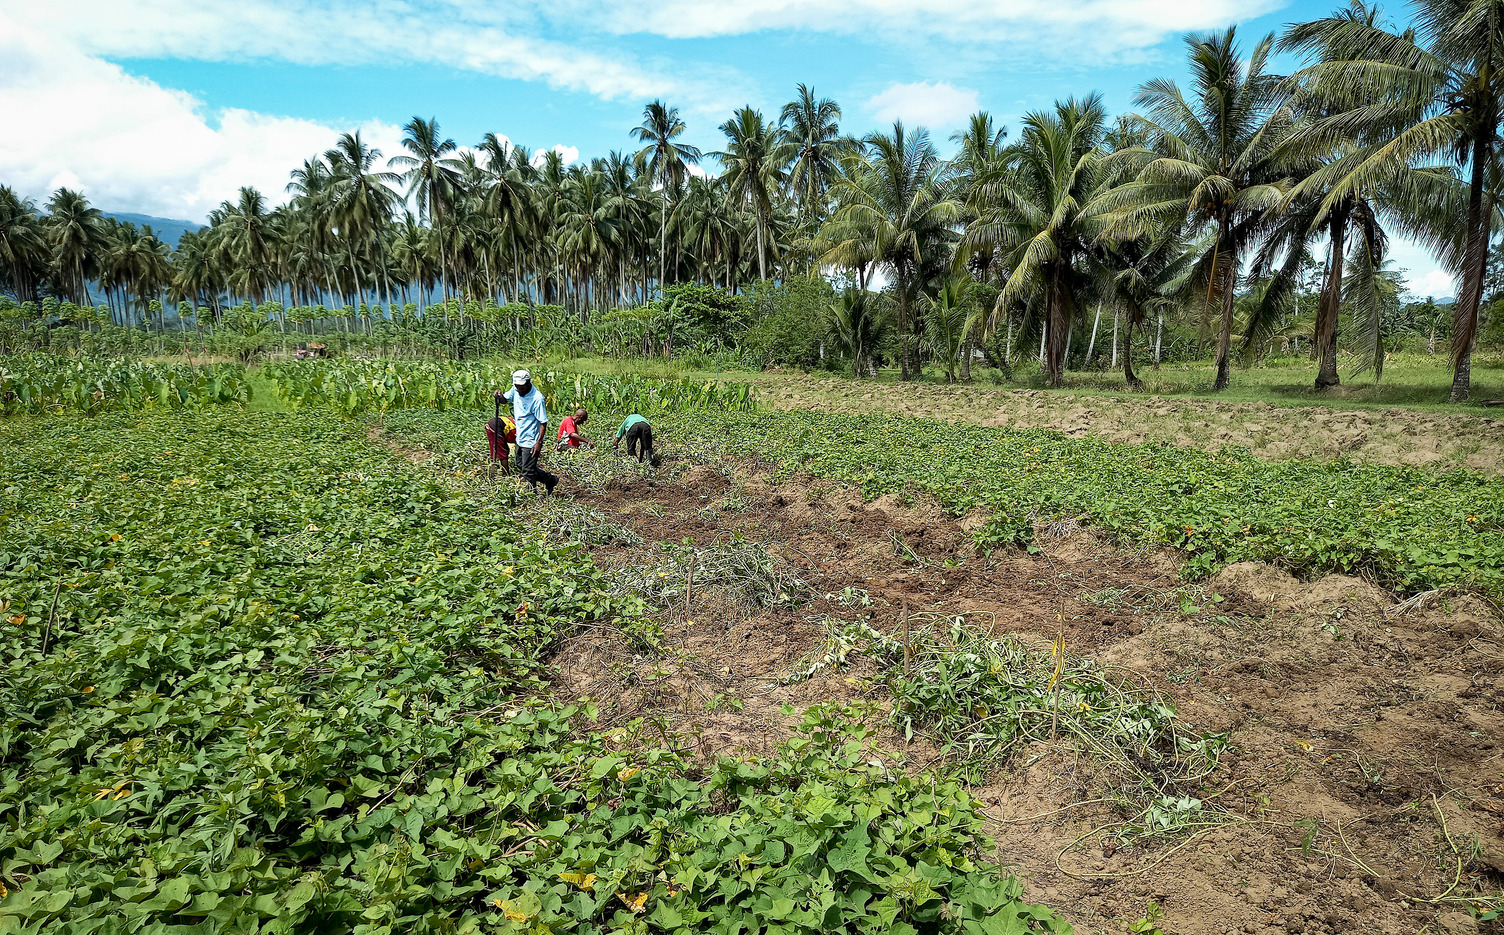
<point>529,470</point>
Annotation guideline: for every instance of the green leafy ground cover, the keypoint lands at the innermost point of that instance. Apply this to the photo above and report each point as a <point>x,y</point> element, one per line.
<point>1409,529</point>
<point>352,387</point>
<point>260,675</point>
<point>42,383</point>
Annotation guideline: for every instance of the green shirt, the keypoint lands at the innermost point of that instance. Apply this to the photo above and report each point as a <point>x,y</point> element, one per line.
<point>627,423</point>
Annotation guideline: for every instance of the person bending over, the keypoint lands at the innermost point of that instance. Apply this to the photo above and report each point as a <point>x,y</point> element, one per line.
<point>501,434</point>
<point>569,431</point>
<point>532,419</point>
<point>639,435</point>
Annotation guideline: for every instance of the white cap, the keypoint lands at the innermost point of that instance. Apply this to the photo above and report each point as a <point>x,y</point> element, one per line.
<point>520,377</point>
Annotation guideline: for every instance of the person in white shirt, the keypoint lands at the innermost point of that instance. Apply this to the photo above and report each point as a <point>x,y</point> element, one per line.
<point>532,419</point>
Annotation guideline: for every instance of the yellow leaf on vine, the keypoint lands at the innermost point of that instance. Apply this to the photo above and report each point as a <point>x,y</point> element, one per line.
<point>517,910</point>
<point>634,903</point>
<point>628,773</point>
<point>585,881</point>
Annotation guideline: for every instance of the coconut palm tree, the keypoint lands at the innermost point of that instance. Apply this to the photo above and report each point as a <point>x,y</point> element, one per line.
<point>588,230</point>
<point>667,161</point>
<point>309,185</point>
<point>812,127</point>
<point>1373,294</point>
<point>196,276</point>
<point>432,180</point>
<point>627,197</point>
<point>754,160</point>
<point>413,254</point>
<point>1032,208</point>
<point>950,320</point>
<point>978,149</point>
<point>508,198</point>
<point>359,202</point>
<point>23,245</point>
<point>135,263</point>
<point>245,243</point>
<point>1436,90</point>
<point>858,327</point>
<point>1145,275</point>
<point>1215,162</point>
<point>893,208</point>
<point>711,223</point>
<point>75,234</point>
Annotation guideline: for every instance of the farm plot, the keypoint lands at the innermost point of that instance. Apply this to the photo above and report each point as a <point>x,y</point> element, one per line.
<point>260,675</point>
<point>1274,430</point>
<point>1247,751</point>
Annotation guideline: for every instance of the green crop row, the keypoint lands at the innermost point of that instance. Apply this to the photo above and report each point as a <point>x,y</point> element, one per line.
<point>1408,529</point>
<point>259,675</point>
<point>41,383</point>
<point>352,387</point>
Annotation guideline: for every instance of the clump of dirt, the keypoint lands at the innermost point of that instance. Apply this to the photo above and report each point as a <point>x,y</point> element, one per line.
<point>1366,777</point>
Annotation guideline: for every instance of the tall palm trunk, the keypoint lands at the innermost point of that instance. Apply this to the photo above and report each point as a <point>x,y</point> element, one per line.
<point>1331,302</point>
<point>663,241</point>
<point>1116,314</point>
<point>904,338</point>
<point>1057,331</point>
<point>762,266</point>
<point>1091,345</point>
<point>1224,334</point>
<point>1474,258</point>
<point>1159,339</point>
<point>1129,377</point>
<point>967,342</point>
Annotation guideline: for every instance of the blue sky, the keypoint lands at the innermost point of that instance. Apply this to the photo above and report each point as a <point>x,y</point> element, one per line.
<point>165,107</point>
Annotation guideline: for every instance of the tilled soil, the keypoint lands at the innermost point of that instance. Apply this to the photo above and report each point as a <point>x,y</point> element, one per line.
<point>1355,729</point>
<point>1395,436</point>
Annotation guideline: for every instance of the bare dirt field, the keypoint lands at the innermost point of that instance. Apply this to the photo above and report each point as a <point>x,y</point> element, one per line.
<point>1396,436</point>
<point>1364,789</point>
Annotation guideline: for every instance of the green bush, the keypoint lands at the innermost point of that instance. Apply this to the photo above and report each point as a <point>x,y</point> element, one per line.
<point>790,321</point>
<point>698,316</point>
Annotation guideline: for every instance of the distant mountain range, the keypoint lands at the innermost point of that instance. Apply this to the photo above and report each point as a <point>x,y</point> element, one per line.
<point>166,229</point>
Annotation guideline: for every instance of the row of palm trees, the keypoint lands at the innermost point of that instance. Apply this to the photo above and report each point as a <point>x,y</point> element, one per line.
<point>1229,187</point>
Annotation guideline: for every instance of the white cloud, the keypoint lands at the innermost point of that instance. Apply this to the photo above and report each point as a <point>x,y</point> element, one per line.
<point>132,145</point>
<point>924,104</point>
<point>1436,284</point>
<point>569,154</point>
<point>494,39</point>
<point>1098,26</point>
<point>1423,277</point>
